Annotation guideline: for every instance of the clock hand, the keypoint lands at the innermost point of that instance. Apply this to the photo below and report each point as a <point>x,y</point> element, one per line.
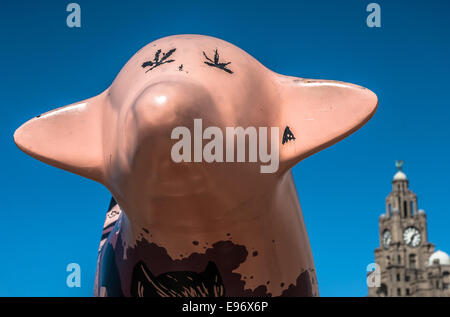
<point>413,238</point>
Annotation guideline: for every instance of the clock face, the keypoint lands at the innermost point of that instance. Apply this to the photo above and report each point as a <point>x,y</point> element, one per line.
<point>412,236</point>
<point>387,238</point>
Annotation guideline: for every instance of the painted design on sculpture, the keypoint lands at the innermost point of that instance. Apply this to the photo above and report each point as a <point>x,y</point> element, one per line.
<point>178,217</point>
<point>216,63</point>
<point>112,213</point>
<point>147,254</point>
<point>110,277</point>
<point>287,135</point>
<point>176,284</point>
<point>157,61</point>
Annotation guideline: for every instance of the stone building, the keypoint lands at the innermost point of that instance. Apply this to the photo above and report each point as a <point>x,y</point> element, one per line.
<point>407,262</point>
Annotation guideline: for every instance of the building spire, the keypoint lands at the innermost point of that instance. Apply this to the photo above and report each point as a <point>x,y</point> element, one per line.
<point>399,176</point>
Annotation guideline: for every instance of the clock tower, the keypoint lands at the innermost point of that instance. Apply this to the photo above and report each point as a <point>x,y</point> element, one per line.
<point>403,256</point>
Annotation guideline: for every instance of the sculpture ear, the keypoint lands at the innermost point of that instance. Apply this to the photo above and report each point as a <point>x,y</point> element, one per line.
<point>69,137</point>
<point>319,113</point>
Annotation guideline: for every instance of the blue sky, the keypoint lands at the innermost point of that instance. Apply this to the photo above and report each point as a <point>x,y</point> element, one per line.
<point>50,218</point>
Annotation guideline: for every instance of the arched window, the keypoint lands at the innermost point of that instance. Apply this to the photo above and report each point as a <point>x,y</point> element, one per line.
<point>405,209</point>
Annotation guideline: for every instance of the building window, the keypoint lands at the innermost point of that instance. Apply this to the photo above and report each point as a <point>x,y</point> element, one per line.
<point>399,292</point>
<point>412,260</point>
<point>399,259</point>
<point>407,278</point>
<point>407,291</point>
<point>382,291</point>
<point>398,277</point>
<point>405,209</point>
<point>437,284</point>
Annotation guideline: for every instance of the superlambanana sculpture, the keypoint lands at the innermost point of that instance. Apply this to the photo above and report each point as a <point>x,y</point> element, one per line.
<point>195,140</point>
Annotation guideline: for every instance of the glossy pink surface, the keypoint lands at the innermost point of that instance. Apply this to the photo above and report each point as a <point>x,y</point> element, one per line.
<point>122,139</point>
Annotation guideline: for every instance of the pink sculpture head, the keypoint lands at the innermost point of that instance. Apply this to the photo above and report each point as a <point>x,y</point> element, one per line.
<point>124,138</point>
